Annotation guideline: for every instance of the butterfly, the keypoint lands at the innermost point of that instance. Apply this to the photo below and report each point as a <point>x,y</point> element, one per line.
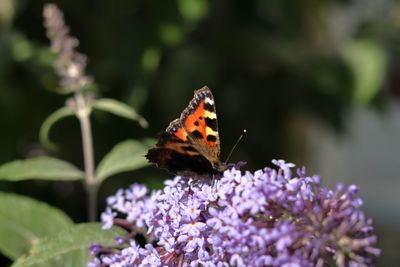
<point>190,145</point>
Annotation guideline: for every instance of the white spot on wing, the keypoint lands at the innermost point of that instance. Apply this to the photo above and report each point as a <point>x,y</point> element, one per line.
<point>209,101</point>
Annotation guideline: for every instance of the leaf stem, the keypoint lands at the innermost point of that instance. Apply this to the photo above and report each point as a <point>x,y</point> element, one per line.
<point>83,113</point>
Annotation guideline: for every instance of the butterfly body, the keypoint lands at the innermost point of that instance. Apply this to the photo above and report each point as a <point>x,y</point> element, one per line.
<point>190,145</point>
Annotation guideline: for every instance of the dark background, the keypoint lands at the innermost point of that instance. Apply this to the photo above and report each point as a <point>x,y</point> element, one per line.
<point>295,74</point>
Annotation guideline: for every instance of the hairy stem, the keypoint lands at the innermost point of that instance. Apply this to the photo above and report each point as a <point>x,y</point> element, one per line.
<point>88,155</point>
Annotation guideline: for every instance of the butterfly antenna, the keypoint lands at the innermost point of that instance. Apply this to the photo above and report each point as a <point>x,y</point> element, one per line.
<point>237,142</point>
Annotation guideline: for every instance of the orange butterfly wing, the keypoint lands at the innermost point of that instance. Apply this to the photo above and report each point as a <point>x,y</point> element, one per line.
<point>190,145</point>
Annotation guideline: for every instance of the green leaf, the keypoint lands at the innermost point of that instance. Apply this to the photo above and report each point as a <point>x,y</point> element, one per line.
<point>125,156</point>
<point>23,221</point>
<point>193,10</point>
<point>50,121</point>
<point>368,62</point>
<point>70,247</point>
<point>151,59</point>
<point>44,168</point>
<point>119,109</point>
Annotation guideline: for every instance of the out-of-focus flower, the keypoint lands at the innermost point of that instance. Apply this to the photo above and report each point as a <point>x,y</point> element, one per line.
<point>265,218</point>
<point>70,64</point>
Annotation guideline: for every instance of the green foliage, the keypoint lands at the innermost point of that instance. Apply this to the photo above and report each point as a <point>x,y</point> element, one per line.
<point>69,247</point>
<point>24,221</point>
<point>48,123</point>
<point>125,156</point>
<point>151,59</point>
<point>193,10</point>
<point>368,62</point>
<point>44,168</point>
<point>119,109</point>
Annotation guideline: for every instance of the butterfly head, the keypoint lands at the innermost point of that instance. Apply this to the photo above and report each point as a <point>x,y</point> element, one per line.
<point>220,167</point>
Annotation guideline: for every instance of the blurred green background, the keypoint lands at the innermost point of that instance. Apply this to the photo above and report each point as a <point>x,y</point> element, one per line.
<point>314,82</point>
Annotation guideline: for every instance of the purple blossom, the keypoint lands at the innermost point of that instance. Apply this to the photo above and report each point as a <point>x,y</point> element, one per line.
<point>107,218</point>
<point>265,218</point>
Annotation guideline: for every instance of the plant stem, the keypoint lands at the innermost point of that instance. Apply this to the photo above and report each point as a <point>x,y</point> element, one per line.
<point>92,202</point>
<point>88,155</point>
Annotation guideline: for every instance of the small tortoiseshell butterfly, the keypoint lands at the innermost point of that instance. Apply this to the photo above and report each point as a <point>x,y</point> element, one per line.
<point>190,144</point>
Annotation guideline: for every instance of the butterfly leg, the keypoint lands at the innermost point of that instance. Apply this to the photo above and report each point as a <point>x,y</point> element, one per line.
<point>190,191</point>
<point>213,181</point>
<point>192,183</point>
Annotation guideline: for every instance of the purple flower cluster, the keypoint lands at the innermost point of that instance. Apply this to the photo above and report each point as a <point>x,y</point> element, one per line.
<point>265,218</point>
